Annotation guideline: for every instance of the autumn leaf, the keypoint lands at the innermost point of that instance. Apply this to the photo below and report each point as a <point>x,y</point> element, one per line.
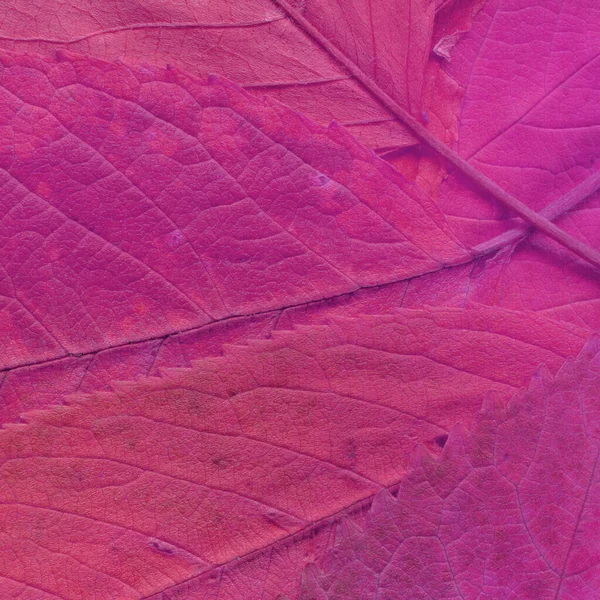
<point>167,478</point>
<point>145,202</point>
<point>528,117</point>
<point>509,510</point>
<point>538,146</point>
<point>255,43</point>
<point>293,314</point>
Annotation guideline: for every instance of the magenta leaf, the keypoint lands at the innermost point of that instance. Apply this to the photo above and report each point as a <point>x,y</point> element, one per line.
<point>528,117</point>
<point>144,202</point>
<point>125,493</point>
<point>509,510</point>
<point>226,328</point>
<point>256,44</point>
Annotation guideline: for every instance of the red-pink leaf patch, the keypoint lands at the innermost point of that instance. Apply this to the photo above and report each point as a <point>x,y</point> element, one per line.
<point>143,202</point>
<point>509,510</point>
<point>128,492</point>
<point>255,43</point>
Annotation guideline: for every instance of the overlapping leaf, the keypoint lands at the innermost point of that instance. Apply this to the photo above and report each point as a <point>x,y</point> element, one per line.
<point>142,202</point>
<point>125,493</point>
<point>255,43</point>
<point>509,510</point>
<point>529,117</point>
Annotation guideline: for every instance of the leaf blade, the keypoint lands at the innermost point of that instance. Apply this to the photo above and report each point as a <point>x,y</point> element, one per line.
<point>154,214</point>
<point>188,471</point>
<point>476,522</point>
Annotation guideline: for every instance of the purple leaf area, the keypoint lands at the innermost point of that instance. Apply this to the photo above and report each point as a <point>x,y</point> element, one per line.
<point>143,202</point>
<point>129,492</point>
<point>559,287</point>
<point>509,510</point>
<point>255,43</point>
<point>529,116</point>
<point>242,357</point>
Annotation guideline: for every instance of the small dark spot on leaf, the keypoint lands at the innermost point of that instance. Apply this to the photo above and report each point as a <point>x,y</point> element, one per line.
<point>441,440</point>
<point>221,462</point>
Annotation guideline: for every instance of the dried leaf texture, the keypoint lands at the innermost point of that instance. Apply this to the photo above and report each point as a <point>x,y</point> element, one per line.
<point>124,493</point>
<point>144,202</point>
<point>509,510</point>
<point>529,117</point>
<point>294,316</point>
<point>255,43</point>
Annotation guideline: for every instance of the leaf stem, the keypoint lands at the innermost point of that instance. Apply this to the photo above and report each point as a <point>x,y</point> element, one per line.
<point>539,221</point>
<point>553,211</point>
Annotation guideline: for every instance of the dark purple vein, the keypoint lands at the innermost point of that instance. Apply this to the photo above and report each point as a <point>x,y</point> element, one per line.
<point>552,212</point>
<point>539,221</point>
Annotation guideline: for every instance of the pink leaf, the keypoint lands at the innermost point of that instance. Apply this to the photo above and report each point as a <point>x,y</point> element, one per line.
<point>529,116</point>
<point>509,510</point>
<point>128,492</point>
<point>143,202</point>
<point>267,287</point>
<point>257,45</point>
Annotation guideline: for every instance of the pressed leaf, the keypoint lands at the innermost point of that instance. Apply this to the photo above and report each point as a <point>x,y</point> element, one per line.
<point>255,43</point>
<point>540,276</point>
<point>37,386</point>
<point>144,202</point>
<point>150,218</point>
<point>124,493</point>
<point>45,384</point>
<point>509,510</point>
<point>533,275</point>
<point>529,117</point>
